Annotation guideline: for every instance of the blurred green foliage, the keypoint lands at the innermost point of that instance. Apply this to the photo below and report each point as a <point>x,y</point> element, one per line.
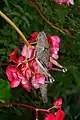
<point>67,85</point>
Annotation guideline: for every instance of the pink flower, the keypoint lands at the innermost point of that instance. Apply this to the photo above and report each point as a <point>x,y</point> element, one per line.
<point>58,103</point>
<point>17,75</point>
<point>25,51</point>
<point>55,39</point>
<point>38,80</point>
<point>27,73</point>
<point>15,83</point>
<point>55,56</point>
<point>65,1</point>
<point>33,65</point>
<point>70,2</point>
<point>50,117</point>
<point>20,59</point>
<point>26,85</point>
<point>33,37</point>
<point>59,115</point>
<point>11,72</point>
<point>54,42</point>
<point>12,56</point>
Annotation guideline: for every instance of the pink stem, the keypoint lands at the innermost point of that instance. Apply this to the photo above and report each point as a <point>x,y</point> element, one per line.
<point>17,104</point>
<point>51,108</point>
<point>23,105</point>
<point>36,114</point>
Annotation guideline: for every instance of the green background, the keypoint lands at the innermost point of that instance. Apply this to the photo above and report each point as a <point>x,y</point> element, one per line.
<point>67,85</point>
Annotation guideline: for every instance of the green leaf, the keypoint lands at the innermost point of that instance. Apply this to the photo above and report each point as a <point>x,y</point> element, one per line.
<point>6,3</point>
<point>76,75</point>
<point>2,51</point>
<point>18,7</point>
<point>26,21</point>
<point>14,13</point>
<point>4,90</point>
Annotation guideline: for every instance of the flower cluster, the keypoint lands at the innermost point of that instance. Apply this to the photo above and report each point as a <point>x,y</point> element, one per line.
<point>59,115</point>
<point>69,2</point>
<point>25,70</point>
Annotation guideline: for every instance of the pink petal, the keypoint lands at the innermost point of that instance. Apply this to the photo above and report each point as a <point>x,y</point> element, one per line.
<point>55,56</point>
<point>15,83</point>
<point>12,57</point>
<point>61,1</point>
<point>9,71</point>
<point>34,35</point>
<point>41,79</point>
<point>26,85</point>
<point>24,51</point>
<point>58,103</point>
<point>33,65</point>
<point>50,117</point>
<point>55,39</point>
<point>28,74</point>
<point>65,1</point>
<point>19,74</point>
<point>35,84</point>
<point>55,51</point>
<point>32,41</point>
<point>23,67</point>
<point>59,115</point>
<point>55,45</point>
<point>20,59</point>
<point>14,52</point>
<point>38,80</point>
<point>31,52</point>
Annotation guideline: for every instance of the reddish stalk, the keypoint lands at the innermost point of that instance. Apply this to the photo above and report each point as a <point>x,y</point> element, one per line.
<point>44,18</point>
<point>23,105</point>
<point>51,108</point>
<point>17,104</point>
<point>36,114</point>
<point>63,31</point>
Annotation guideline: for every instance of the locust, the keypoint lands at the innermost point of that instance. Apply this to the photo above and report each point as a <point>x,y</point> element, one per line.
<point>42,59</point>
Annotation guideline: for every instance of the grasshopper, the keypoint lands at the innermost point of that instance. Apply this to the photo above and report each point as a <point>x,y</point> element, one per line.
<point>42,59</point>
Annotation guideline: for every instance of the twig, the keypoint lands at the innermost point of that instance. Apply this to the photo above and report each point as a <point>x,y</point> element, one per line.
<point>23,105</point>
<point>16,28</point>
<point>44,18</point>
<point>36,114</point>
<point>63,31</point>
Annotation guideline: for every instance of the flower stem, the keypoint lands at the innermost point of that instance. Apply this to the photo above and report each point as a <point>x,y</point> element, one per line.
<point>16,28</point>
<point>26,106</point>
<point>63,31</point>
<point>51,108</point>
<point>44,18</point>
<point>23,105</point>
<point>16,104</point>
<point>36,114</point>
